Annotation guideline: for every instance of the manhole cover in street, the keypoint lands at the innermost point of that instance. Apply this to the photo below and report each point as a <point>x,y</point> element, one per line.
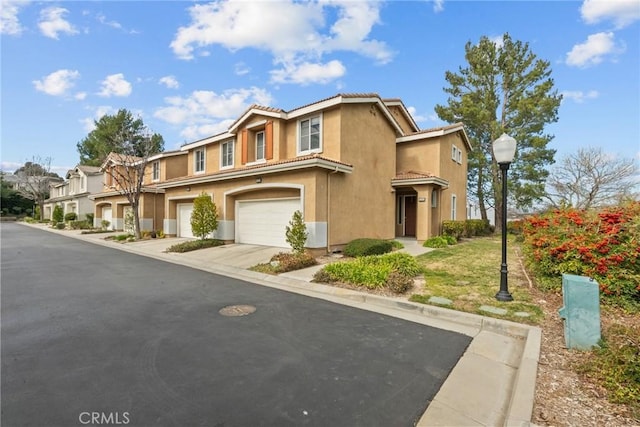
<point>237,310</point>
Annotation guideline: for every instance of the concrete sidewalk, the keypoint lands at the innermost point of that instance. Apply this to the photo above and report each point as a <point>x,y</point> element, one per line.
<point>493,383</point>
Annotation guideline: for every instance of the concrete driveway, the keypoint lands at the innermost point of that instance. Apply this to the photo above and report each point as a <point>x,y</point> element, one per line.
<point>92,330</point>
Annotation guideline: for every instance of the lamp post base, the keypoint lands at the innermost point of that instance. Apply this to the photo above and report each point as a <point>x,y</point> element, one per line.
<point>504,296</point>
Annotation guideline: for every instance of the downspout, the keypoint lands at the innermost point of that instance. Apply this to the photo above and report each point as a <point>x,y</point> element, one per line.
<point>329,208</point>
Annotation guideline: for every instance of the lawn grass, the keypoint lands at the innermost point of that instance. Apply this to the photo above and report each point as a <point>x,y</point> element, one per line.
<point>468,274</point>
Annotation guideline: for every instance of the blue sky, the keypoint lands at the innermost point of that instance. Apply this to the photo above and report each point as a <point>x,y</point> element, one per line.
<point>188,69</point>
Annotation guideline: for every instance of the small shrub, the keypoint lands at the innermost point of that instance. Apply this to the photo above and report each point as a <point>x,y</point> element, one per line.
<point>79,225</point>
<point>71,216</point>
<point>160,234</point>
<point>58,214</point>
<point>366,247</point>
<point>284,262</point>
<point>436,242</point>
<point>89,218</point>
<point>616,365</point>
<point>296,233</point>
<point>453,228</point>
<point>193,245</point>
<point>476,227</point>
<point>122,237</point>
<point>61,225</point>
<point>37,215</point>
<point>398,282</point>
<point>371,271</point>
<point>322,276</point>
<point>105,224</point>
<point>396,245</point>
<point>451,240</point>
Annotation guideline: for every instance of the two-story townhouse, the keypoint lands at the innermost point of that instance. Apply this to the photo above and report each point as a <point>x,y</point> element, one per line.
<point>355,165</point>
<point>73,194</point>
<point>112,205</point>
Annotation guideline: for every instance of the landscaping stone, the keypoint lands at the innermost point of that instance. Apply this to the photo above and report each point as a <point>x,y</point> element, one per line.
<point>494,310</point>
<point>440,300</point>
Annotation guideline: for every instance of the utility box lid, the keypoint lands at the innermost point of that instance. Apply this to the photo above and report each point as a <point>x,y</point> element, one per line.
<point>581,311</point>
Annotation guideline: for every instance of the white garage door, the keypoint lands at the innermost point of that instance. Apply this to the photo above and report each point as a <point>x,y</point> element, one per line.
<point>184,220</point>
<point>264,222</point>
<point>107,216</point>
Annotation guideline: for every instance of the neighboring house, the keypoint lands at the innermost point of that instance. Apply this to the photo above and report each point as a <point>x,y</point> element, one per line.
<point>355,165</point>
<point>73,193</point>
<point>112,205</point>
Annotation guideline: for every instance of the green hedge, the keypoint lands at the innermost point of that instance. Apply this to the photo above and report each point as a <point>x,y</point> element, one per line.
<point>366,247</point>
<point>466,228</point>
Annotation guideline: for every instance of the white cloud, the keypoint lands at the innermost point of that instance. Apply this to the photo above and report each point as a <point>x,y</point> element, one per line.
<point>438,5</point>
<point>115,85</point>
<point>418,117</point>
<point>241,69</point>
<point>298,32</point>
<point>9,22</point>
<point>113,24</point>
<point>52,22</point>
<point>593,51</point>
<point>306,73</point>
<point>170,81</point>
<point>579,96</point>
<point>204,113</point>
<point>621,12</point>
<point>57,83</point>
<point>80,96</point>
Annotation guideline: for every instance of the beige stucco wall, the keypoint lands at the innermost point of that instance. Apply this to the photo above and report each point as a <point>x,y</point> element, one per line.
<point>419,156</point>
<point>368,143</point>
<point>397,114</point>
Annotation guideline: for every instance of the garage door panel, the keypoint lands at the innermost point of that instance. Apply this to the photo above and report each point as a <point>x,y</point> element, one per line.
<point>264,222</point>
<point>107,215</point>
<point>184,220</point>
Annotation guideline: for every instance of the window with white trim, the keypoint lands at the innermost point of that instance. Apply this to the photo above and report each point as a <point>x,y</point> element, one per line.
<point>260,146</point>
<point>155,171</point>
<point>454,199</point>
<point>434,198</point>
<point>310,135</point>
<point>456,154</point>
<point>198,157</point>
<point>227,155</point>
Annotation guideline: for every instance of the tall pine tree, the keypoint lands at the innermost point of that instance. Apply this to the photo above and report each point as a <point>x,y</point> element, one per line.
<point>504,88</point>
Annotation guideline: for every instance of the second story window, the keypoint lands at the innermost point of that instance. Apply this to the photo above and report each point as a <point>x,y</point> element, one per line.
<point>260,147</point>
<point>198,166</point>
<point>155,172</point>
<point>227,155</point>
<point>309,134</point>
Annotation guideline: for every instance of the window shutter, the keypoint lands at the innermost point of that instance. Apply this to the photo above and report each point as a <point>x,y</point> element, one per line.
<point>245,146</point>
<point>268,135</point>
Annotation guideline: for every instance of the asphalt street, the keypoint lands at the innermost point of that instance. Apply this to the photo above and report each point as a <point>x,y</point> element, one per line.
<point>91,334</point>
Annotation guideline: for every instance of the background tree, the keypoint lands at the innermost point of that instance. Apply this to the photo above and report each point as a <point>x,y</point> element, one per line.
<point>504,88</point>
<point>204,217</point>
<point>107,138</point>
<point>11,201</point>
<point>127,167</point>
<point>590,178</point>
<point>34,179</point>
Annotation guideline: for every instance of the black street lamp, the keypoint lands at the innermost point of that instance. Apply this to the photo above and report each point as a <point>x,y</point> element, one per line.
<point>504,148</point>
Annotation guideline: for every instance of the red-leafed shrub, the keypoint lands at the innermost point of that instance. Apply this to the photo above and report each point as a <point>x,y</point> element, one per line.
<point>603,245</point>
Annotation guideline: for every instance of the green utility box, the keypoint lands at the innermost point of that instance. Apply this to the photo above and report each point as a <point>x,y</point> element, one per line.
<point>581,311</point>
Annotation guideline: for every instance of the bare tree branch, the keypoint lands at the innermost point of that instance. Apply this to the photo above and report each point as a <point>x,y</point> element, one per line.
<point>592,178</point>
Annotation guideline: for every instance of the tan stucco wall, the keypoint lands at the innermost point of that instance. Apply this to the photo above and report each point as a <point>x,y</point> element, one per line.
<point>368,143</point>
<point>456,174</point>
<point>420,156</point>
<point>397,114</point>
<point>174,167</point>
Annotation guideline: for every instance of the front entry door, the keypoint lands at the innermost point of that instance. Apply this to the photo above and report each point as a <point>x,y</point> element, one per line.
<point>410,216</point>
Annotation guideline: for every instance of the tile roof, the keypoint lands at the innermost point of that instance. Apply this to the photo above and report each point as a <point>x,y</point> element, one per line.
<point>261,165</point>
<point>413,175</point>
